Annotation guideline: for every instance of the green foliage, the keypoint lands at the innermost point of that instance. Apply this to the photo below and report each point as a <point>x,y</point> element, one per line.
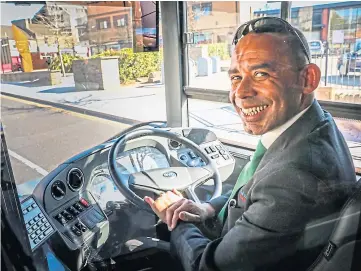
<point>218,49</point>
<point>67,60</point>
<point>134,65</point>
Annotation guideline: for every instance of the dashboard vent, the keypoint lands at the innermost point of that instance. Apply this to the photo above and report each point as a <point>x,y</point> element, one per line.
<point>75,179</point>
<point>58,190</point>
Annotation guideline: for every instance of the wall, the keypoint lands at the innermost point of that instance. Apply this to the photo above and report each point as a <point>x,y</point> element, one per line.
<point>43,78</point>
<point>221,23</point>
<point>112,34</point>
<point>96,74</point>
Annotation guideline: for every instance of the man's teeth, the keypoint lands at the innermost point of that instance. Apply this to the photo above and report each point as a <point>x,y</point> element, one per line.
<point>254,110</point>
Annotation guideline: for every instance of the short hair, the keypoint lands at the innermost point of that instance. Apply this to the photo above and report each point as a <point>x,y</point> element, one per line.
<point>298,52</point>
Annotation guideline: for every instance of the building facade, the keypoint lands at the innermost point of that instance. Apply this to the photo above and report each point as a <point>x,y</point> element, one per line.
<point>339,24</point>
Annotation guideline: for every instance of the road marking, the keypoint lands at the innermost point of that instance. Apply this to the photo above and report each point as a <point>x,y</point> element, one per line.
<point>28,163</point>
<point>75,114</point>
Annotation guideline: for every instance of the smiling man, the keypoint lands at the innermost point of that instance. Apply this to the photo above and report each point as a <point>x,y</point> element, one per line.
<point>300,175</point>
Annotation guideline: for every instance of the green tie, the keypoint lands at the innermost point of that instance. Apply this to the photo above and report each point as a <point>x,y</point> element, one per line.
<point>246,174</point>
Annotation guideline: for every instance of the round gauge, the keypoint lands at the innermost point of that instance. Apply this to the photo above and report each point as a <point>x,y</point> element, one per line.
<point>104,190</point>
<point>75,179</point>
<point>58,190</point>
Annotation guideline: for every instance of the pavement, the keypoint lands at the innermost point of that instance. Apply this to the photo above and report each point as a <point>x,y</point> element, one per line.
<point>146,102</point>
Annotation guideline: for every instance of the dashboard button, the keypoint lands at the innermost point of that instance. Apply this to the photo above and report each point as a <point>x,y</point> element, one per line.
<point>219,147</point>
<point>76,230</point>
<point>226,157</point>
<point>38,232</point>
<point>31,222</point>
<point>29,208</point>
<point>42,228</point>
<point>48,231</point>
<point>183,157</point>
<point>25,211</point>
<point>192,155</point>
<point>41,215</point>
<point>67,215</point>
<point>36,218</point>
<point>84,202</point>
<point>222,151</point>
<point>208,150</point>
<point>33,205</point>
<point>213,149</point>
<point>73,211</point>
<point>215,156</point>
<point>81,227</point>
<point>32,236</point>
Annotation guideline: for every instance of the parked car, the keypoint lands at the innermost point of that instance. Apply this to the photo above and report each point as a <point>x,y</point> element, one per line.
<point>317,48</point>
<point>349,62</point>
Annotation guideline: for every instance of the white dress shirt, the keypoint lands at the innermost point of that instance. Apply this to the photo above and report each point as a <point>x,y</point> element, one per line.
<point>268,138</point>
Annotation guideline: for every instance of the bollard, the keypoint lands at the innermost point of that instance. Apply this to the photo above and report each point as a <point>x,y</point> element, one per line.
<point>204,66</point>
<point>216,64</point>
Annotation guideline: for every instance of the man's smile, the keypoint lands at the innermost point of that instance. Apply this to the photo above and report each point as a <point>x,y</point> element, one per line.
<point>250,111</point>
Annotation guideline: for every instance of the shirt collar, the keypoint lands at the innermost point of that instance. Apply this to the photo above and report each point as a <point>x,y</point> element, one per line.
<point>268,138</point>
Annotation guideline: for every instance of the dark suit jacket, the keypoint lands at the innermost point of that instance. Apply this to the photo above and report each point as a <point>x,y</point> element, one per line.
<point>303,180</point>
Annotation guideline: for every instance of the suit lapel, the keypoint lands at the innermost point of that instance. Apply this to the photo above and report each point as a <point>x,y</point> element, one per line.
<point>297,131</point>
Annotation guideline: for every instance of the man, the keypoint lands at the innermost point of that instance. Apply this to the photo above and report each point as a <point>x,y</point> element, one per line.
<point>300,175</point>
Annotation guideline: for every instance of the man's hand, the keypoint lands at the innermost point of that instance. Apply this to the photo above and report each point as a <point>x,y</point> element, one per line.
<point>160,205</point>
<point>184,209</point>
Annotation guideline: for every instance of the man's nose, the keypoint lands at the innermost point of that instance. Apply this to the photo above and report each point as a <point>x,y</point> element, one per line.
<point>245,89</point>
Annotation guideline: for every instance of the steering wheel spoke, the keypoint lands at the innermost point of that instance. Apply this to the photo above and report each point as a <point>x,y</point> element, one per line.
<point>161,180</point>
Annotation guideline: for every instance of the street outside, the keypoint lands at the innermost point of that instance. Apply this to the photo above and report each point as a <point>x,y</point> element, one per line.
<point>41,137</point>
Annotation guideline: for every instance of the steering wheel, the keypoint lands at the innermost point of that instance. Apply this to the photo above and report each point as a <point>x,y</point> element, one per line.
<point>184,179</point>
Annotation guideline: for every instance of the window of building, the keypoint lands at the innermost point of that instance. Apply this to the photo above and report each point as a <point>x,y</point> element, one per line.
<point>201,9</point>
<point>120,21</point>
<point>294,17</point>
<point>103,23</point>
<point>316,19</point>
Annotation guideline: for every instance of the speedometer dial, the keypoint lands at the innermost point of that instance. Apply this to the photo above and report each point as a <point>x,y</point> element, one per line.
<point>104,190</point>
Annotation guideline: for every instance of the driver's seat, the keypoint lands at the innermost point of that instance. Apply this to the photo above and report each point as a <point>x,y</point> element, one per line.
<point>343,251</point>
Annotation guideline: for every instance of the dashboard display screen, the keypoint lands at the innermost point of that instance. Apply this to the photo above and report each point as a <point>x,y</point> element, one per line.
<point>103,187</point>
<point>142,159</point>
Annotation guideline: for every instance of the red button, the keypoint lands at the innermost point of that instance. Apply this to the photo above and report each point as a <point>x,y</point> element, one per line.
<point>84,202</point>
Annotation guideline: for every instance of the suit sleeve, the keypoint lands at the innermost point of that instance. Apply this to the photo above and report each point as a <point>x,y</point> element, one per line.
<point>220,201</point>
<point>281,205</point>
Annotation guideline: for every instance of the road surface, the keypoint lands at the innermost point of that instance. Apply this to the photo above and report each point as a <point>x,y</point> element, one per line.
<point>40,137</point>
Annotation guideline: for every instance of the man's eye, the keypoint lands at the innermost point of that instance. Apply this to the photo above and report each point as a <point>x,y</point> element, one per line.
<point>260,74</point>
<point>235,78</point>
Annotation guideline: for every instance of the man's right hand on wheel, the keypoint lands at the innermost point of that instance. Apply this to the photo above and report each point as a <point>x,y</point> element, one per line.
<point>189,211</point>
<point>170,209</point>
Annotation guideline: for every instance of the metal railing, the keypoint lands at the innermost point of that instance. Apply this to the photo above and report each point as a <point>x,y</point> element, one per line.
<point>339,69</point>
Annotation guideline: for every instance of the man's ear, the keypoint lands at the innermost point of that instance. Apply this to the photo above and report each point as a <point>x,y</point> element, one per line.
<point>311,78</point>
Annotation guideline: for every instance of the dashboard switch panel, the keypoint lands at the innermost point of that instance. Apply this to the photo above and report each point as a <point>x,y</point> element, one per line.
<point>37,225</point>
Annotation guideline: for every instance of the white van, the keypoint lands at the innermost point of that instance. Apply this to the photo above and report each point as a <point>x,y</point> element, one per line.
<point>317,48</point>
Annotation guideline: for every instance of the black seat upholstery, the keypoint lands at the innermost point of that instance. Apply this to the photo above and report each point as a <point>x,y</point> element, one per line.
<point>343,251</point>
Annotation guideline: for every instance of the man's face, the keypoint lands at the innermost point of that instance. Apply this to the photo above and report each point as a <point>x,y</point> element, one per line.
<point>264,77</point>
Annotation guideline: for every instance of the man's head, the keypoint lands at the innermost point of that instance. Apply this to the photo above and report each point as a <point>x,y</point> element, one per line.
<point>271,76</point>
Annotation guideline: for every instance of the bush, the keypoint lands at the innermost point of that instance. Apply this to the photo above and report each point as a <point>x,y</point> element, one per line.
<point>134,65</point>
<point>219,49</point>
<point>67,60</point>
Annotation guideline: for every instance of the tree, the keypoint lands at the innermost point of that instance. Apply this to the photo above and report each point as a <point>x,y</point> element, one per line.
<point>52,16</point>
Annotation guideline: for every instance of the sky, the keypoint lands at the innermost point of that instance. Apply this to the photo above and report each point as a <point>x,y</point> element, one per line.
<point>10,12</point>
